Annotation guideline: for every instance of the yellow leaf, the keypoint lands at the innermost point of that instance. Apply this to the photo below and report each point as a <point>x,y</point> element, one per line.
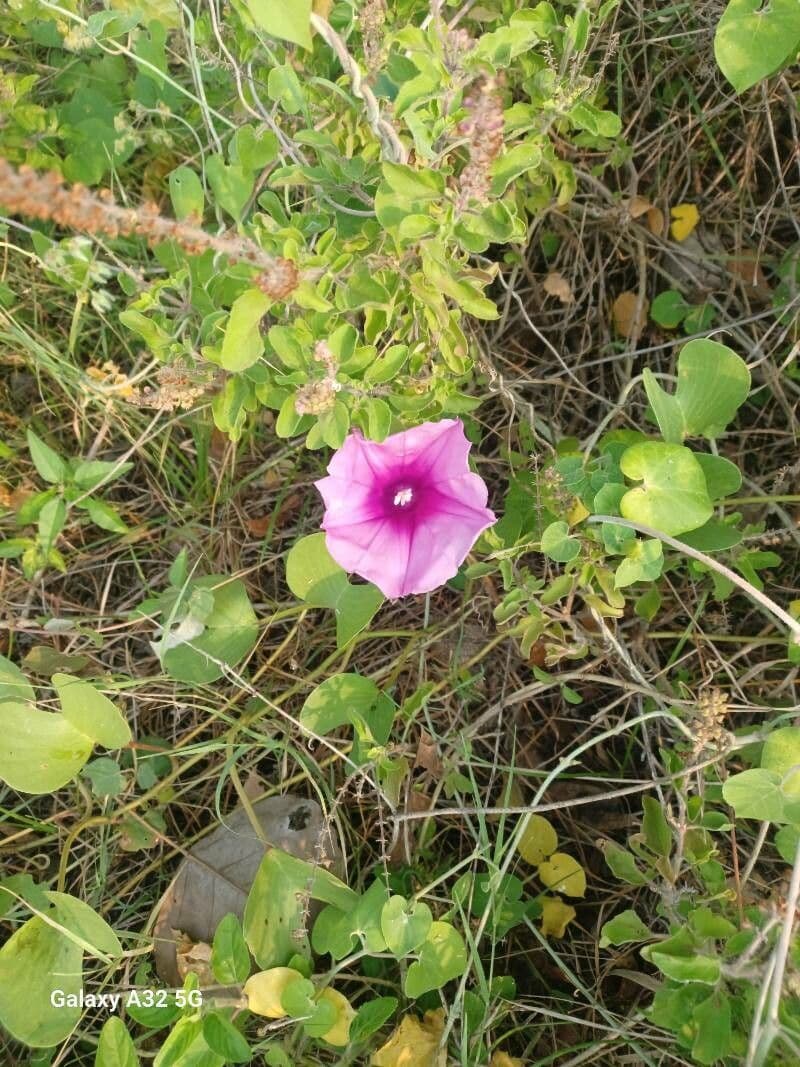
<point>684,219</point>
<point>556,915</point>
<point>265,989</point>
<point>502,1059</point>
<point>414,1043</point>
<point>339,1033</point>
<point>564,874</point>
<point>578,512</point>
<point>539,840</point>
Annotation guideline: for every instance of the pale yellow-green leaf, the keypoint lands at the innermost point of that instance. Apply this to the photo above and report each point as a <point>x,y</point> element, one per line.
<point>265,989</point>
<point>339,1033</point>
<point>538,841</point>
<point>564,874</point>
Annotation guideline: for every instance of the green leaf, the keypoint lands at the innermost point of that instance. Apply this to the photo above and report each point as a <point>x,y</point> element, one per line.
<point>410,183</point>
<point>104,776</point>
<point>39,750</point>
<point>275,913</point>
<point>13,683</point>
<point>104,516</point>
<point>674,497</point>
<point>623,864</point>
<point>657,834</point>
<point>668,309</point>
<point>622,929</point>
<point>115,1047</point>
<point>90,472</point>
<point>51,521</point>
<point>713,383</point>
<point>313,576</point>
<point>558,545</point>
<point>755,794</point>
<point>753,39</point>
<point>289,21</point>
<point>405,925</point>
<point>85,925</point>
<point>85,708</point>
<point>341,699</point>
<point>665,407</point>
<point>781,751</point>
<point>222,1037</point>
<point>285,88</point>
<point>786,841</point>
<point>513,163</point>
<point>713,536</point>
<point>37,960</point>
<point>253,149</point>
<point>230,632</point>
<point>186,193</point>
<point>722,477</point>
<point>230,957</point>
<point>48,463</point>
<point>371,1016</point>
<point>684,968</point>
<point>441,957</point>
<point>243,343</point>
<point>643,563</point>
<point>712,1019</point>
<point>230,184</point>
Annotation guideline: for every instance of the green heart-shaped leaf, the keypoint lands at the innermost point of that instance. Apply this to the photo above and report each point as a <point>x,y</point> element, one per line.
<point>405,926</point>
<point>441,957</point>
<point>673,497</point>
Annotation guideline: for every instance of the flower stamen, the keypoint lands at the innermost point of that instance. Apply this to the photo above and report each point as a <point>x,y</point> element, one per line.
<point>403,497</point>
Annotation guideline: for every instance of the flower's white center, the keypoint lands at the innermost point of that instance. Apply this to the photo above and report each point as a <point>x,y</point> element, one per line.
<point>403,497</point>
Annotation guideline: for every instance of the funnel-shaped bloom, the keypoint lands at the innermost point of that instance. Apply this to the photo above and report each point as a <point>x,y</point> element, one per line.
<point>404,513</point>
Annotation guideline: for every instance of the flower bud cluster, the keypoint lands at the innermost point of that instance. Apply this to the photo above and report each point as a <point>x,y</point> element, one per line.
<point>372,18</point>
<point>319,396</point>
<point>279,280</point>
<point>483,127</point>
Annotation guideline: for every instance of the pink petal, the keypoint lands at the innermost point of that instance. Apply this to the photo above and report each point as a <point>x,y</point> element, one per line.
<point>404,551</point>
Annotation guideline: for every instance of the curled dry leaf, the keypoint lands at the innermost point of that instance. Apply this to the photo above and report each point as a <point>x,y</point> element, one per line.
<point>638,206</point>
<point>629,316</point>
<point>414,1043</point>
<point>428,755</point>
<point>218,871</point>
<point>193,957</point>
<point>557,285</point>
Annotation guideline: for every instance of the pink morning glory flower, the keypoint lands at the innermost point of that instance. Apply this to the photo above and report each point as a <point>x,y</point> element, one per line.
<point>404,513</point>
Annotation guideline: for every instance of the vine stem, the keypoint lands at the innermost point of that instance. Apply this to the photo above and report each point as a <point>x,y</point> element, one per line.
<point>766,602</point>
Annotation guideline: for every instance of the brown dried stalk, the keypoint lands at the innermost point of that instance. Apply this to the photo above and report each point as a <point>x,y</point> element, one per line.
<point>45,196</point>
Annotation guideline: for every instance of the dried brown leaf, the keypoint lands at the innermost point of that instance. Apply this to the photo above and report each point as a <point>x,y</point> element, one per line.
<point>556,284</point>
<point>629,316</point>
